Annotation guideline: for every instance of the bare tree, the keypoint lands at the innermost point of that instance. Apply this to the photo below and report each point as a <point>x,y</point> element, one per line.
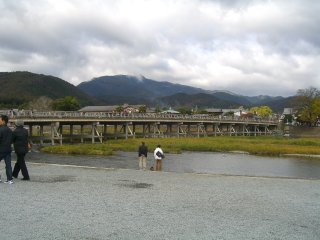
<point>308,104</point>
<point>42,103</point>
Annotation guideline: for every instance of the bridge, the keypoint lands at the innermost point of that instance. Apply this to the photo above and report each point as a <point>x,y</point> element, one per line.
<point>96,127</point>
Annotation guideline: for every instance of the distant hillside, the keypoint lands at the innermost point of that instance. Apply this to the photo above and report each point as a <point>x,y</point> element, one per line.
<point>202,100</point>
<point>129,88</point>
<point>121,89</point>
<point>18,88</point>
<point>262,99</point>
<point>277,105</point>
<point>231,97</point>
<point>21,87</point>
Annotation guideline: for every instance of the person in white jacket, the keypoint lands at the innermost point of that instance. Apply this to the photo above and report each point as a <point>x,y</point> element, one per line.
<point>158,156</point>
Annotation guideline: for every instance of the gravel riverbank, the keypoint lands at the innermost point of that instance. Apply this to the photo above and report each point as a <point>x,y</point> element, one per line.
<point>64,202</point>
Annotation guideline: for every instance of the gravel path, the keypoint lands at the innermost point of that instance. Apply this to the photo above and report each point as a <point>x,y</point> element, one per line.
<point>63,202</point>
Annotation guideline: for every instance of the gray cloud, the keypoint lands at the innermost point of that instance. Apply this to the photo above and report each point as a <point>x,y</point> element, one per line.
<point>249,47</point>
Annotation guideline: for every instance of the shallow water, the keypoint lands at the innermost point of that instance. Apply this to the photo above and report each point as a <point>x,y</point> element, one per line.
<point>197,162</point>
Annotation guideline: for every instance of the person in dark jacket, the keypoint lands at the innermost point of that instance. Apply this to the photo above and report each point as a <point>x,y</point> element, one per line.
<point>143,153</point>
<point>20,143</point>
<point>5,146</point>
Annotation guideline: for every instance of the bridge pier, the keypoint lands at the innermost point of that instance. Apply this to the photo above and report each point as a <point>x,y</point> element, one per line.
<point>71,133</point>
<point>201,130</point>
<point>56,133</point>
<point>81,132</point>
<point>105,129</point>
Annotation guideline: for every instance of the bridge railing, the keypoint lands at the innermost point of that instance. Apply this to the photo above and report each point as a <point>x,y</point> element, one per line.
<point>27,114</point>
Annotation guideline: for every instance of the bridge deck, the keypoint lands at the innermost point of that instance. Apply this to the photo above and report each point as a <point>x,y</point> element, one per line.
<point>98,126</point>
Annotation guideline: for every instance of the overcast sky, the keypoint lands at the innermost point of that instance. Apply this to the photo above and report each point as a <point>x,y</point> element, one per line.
<point>248,47</point>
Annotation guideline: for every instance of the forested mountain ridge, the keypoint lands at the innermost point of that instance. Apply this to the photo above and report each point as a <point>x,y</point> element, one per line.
<point>121,89</point>
<point>131,86</point>
<point>20,87</point>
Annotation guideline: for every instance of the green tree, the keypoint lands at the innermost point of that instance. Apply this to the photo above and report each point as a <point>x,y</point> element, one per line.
<point>307,103</point>
<point>157,109</point>
<point>67,103</point>
<point>143,109</point>
<point>288,119</point>
<point>184,110</point>
<point>119,109</point>
<point>261,111</point>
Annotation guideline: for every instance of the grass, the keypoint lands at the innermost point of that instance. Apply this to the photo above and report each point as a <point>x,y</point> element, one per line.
<point>263,146</point>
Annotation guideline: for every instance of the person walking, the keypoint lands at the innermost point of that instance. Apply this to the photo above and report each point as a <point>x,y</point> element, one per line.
<point>158,156</point>
<point>143,153</point>
<point>20,140</point>
<point>5,146</point>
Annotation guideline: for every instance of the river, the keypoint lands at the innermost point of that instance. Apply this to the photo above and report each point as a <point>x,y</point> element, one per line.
<point>196,162</point>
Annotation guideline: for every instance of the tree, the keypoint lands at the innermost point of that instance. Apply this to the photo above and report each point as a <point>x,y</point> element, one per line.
<point>308,93</point>
<point>308,106</point>
<point>119,109</point>
<point>42,103</point>
<point>143,109</point>
<point>67,103</point>
<point>288,119</point>
<point>262,111</point>
<point>157,109</point>
<point>184,110</point>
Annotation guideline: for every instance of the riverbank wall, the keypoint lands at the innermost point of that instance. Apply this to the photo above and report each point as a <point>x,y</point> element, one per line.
<point>302,131</point>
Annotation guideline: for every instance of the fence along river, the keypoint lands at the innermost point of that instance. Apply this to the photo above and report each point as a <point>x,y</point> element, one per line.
<point>96,127</point>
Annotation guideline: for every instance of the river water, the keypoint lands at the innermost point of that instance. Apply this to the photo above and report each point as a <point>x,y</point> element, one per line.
<point>197,162</point>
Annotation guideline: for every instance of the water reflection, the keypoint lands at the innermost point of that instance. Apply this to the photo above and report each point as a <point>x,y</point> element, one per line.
<point>195,162</point>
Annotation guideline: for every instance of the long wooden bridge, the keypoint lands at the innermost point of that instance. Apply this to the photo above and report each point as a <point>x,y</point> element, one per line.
<point>58,127</point>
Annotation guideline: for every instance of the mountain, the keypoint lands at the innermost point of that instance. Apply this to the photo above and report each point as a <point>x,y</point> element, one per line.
<point>225,100</point>
<point>120,89</point>
<point>278,104</point>
<point>130,89</point>
<point>231,97</point>
<point>263,99</point>
<point>18,88</point>
<point>203,100</point>
<point>21,87</point>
